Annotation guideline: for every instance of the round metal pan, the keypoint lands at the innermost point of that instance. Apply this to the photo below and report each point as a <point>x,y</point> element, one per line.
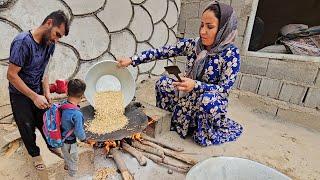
<point>137,122</point>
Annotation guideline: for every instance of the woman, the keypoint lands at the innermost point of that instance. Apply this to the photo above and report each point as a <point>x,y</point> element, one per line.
<point>199,102</point>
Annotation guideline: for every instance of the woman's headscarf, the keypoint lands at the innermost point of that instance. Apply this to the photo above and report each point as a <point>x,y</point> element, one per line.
<point>227,32</point>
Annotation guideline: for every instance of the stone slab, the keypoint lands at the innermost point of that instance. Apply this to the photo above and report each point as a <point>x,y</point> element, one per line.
<point>78,7</point>
<point>88,36</point>
<point>63,63</point>
<point>141,24</point>
<point>111,12</point>
<point>7,35</point>
<point>156,8</point>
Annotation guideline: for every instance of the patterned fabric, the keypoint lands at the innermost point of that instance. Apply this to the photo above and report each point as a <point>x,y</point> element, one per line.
<point>202,112</point>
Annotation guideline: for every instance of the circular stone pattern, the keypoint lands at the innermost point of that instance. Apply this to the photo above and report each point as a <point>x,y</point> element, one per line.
<point>141,24</point>
<point>160,35</point>
<point>157,9</point>
<point>88,36</point>
<point>172,15</point>
<point>63,63</point>
<point>137,1</point>
<point>29,14</point>
<point>116,15</point>
<point>122,44</point>
<point>7,35</point>
<point>78,8</point>
<point>145,67</point>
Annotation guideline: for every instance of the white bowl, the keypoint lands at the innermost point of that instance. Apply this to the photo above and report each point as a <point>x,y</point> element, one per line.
<point>106,76</point>
<point>230,168</point>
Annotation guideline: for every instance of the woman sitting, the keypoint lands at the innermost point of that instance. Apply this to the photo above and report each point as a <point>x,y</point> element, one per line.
<point>200,101</point>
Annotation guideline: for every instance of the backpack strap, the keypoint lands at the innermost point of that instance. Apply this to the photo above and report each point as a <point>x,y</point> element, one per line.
<point>68,134</point>
<point>68,106</point>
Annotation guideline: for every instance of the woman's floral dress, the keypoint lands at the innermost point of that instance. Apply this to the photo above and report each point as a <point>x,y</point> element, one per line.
<point>201,112</point>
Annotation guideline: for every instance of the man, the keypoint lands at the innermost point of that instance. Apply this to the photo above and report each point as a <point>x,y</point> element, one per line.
<point>28,82</point>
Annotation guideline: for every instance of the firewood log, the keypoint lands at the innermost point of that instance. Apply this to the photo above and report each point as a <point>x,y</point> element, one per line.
<point>135,153</point>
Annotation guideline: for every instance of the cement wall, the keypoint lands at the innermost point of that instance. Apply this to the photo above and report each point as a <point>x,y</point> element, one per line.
<point>292,82</point>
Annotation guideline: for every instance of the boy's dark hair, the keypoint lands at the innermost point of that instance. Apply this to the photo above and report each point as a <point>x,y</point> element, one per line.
<point>58,17</point>
<point>76,87</point>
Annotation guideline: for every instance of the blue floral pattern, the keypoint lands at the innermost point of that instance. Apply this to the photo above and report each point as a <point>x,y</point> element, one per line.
<point>201,112</point>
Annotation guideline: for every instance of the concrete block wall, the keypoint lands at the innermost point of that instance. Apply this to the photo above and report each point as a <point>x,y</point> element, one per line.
<point>285,80</point>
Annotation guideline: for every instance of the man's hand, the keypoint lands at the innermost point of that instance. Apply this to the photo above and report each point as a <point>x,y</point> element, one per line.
<point>40,101</point>
<point>124,62</point>
<point>185,85</point>
<point>48,97</point>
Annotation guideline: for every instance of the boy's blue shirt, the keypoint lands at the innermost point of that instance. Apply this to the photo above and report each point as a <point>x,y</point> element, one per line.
<point>72,118</point>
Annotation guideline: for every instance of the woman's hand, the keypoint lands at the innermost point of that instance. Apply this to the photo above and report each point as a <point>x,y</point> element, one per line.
<point>124,62</point>
<point>185,85</point>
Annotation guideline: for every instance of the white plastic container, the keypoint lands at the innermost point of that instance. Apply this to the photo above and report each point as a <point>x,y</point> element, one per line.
<point>232,168</point>
<point>106,76</point>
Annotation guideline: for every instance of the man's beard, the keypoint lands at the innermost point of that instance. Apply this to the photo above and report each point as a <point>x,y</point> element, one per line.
<point>46,38</point>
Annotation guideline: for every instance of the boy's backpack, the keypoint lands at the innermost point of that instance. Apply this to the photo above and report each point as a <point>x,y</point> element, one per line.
<point>52,124</point>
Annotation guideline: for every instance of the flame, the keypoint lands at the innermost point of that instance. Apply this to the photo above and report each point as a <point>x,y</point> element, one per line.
<point>109,144</point>
<point>136,136</point>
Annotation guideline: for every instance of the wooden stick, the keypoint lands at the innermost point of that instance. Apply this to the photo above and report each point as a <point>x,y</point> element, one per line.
<point>137,154</point>
<point>126,175</point>
<point>171,153</point>
<point>178,149</point>
<point>167,161</point>
<point>184,171</point>
<point>149,149</point>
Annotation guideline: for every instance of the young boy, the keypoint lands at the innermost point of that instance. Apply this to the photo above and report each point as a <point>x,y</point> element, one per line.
<point>72,119</point>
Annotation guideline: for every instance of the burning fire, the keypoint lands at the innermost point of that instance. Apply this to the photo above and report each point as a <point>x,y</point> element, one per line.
<point>136,136</point>
<point>109,144</point>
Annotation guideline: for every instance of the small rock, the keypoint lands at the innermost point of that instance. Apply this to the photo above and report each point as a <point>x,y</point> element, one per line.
<point>170,171</point>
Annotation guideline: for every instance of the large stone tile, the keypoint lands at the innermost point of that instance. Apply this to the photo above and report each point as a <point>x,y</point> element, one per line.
<point>145,67</point>
<point>7,35</point>
<point>112,12</point>
<point>88,36</point>
<point>133,71</point>
<point>172,38</point>
<point>123,44</point>
<point>178,4</point>
<point>83,6</point>
<point>172,15</point>
<point>29,14</point>
<point>4,95</point>
<point>85,66</point>
<point>63,63</point>
<point>141,24</point>
<point>160,35</point>
<point>137,1</point>
<point>157,9</point>
<point>159,68</point>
